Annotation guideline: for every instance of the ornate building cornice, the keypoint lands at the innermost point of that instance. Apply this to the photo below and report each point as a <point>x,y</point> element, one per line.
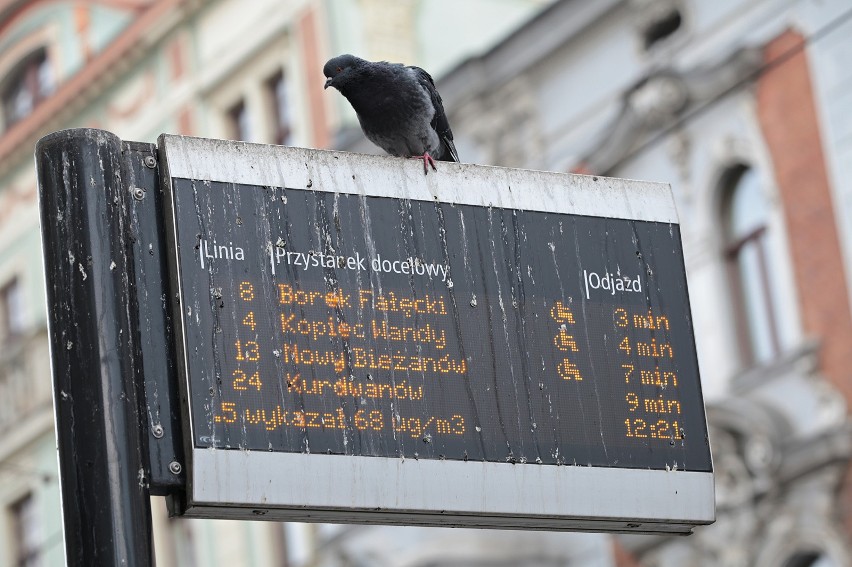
<point>658,100</point>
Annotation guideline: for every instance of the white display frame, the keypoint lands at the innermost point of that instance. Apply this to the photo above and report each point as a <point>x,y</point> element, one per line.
<point>341,488</point>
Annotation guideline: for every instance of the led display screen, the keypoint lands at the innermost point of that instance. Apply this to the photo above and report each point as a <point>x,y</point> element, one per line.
<point>328,323</point>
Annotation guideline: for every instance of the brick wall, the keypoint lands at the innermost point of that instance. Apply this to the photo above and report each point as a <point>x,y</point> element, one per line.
<point>788,119</point>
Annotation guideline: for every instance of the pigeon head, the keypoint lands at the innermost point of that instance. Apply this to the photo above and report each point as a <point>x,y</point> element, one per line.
<point>339,69</point>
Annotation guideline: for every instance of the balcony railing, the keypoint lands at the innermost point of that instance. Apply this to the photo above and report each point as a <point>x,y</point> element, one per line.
<point>25,382</point>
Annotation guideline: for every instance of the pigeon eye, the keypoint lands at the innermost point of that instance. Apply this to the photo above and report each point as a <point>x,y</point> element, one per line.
<point>339,69</point>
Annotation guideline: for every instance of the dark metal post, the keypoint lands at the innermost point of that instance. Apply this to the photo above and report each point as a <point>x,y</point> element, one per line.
<point>94,348</point>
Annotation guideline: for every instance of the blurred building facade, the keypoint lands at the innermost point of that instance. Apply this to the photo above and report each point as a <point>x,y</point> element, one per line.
<point>240,69</point>
<point>137,68</point>
<point>744,108</point>
<point>741,105</point>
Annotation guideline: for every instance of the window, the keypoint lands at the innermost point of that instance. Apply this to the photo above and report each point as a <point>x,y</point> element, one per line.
<point>745,216</point>
<point>12,309</point>
<point>809,559</point>
<point>185,542</point>
<point>276,88</point>
<point>661,28</point>
<point>656,20</point>
<point>28,84</point>
<point>26,532</point>
<point>240,124</point>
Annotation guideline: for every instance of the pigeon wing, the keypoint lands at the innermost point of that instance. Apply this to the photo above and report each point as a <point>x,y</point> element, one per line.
<point>439,122</point>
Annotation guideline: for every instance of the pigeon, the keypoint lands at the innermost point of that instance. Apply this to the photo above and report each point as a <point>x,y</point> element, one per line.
<point>397,105</point>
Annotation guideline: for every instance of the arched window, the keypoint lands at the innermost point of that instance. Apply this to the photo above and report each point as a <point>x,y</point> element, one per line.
<point>745,217</point>
<point>26,86</point>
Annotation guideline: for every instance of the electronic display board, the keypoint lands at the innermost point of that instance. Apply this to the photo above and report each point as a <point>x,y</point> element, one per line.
<point>336,318</point>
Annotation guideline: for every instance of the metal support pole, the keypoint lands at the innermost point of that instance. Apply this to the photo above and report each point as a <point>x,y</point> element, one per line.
<point>94,348</point>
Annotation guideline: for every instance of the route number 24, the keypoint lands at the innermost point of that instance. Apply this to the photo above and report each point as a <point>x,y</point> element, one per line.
<point>242,381</point>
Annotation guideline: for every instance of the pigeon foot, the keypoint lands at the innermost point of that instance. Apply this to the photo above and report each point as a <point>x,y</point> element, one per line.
<point>427,159</point>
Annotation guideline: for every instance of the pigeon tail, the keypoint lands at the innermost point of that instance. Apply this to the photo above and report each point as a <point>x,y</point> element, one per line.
<point>449,152</point>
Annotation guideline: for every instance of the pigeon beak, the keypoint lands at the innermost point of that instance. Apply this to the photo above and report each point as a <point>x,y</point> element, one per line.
<point>327,83</point>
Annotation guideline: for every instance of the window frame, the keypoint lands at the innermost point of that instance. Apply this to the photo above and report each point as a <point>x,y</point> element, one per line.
<point>26,76</point>
<point>282,133</point>
<point>13,318</point>
<point>239,121</point>
<point>733,247</point>
<point>26,531</point>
